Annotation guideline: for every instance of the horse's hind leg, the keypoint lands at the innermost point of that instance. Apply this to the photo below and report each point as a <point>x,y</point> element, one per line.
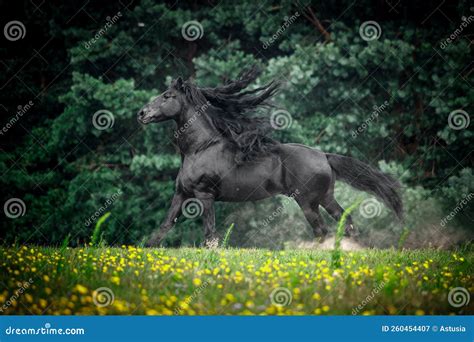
<point>311,212</point>
<point>335,210</point>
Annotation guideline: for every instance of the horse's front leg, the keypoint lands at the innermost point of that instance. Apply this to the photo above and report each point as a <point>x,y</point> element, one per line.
<point>173,213</point>
<point>211,240</point>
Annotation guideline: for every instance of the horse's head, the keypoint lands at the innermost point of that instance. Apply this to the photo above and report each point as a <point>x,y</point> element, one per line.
<point>166,106</point>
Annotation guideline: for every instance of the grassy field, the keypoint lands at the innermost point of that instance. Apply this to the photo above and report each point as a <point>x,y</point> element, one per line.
<point>191,281</point>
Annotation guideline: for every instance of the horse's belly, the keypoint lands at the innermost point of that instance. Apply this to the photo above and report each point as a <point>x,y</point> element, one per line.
<point>252,181</point>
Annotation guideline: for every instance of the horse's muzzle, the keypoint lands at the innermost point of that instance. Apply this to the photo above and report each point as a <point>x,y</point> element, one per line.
<point>141,115</point>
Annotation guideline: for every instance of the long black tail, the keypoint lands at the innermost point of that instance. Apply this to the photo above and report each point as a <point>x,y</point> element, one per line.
<point>366,178</point>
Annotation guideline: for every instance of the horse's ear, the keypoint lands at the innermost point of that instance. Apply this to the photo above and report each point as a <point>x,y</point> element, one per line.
<point>178,84</point>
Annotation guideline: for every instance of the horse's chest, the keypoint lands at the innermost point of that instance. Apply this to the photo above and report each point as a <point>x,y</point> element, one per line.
<point>198,174</point>
<point>188,180</point>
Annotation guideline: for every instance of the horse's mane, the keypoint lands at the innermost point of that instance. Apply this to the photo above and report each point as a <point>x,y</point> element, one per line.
<point>234,112</point>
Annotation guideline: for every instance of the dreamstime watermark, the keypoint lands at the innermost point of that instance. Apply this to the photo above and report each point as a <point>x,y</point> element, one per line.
<point>110,21</point>
<point>198,111</point>
<point>377,110</point>
<point>192,30</point>
<point>21,110</point>
<point>456,33</point>
<point>192,208</point>
<point>370,30</point>
<point>370,208</point>
<point>108,202</point>
<point>458,297</point>
<point>281,119</point>
<point>369,298</point>
<point>277,212</point>
<point>190,299</point>
<point>281,296</point>
<point>288,22</point>
<point>14,208</point>
<point>22,287</point>
<point>103,119</point>
<point>14,30</point>
<point>46,330</point>
<point>103,296</point>
<point>458,119</point>
<point>459,207</point>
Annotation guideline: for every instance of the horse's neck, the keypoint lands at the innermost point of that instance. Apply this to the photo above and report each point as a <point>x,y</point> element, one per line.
<point>194,131</point>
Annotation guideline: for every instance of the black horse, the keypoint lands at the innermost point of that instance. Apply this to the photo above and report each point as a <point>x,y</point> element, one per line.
<point>228,155</point>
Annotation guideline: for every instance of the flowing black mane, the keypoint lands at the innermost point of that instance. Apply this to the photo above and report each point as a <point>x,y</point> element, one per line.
<point>234,112</point>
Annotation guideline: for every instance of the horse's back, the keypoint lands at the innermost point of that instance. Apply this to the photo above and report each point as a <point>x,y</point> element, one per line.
<point>305,156</point>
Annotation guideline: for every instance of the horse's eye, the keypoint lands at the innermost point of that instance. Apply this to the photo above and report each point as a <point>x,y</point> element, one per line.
<point>168,95</point>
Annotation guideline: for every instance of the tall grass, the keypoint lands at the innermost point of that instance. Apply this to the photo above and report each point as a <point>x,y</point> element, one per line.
<point>403,238</point>
<point>97,239</point>
<point>336,252</point>
<point>225,242</point>
<point>234,281</point>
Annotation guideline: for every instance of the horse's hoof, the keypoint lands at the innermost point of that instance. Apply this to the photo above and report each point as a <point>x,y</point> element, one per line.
<point>321,239</point>
<point>350,230</point>
<point>152,243</point>
<point>211,243</point>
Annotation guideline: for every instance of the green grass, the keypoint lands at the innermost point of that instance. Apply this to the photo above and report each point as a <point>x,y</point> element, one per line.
<point>231,281</point>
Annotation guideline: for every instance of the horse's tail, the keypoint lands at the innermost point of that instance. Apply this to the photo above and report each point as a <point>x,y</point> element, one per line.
<point>366,178</point>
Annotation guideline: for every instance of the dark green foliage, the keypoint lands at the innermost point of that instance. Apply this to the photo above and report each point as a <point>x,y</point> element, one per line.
<point>65,169</point>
